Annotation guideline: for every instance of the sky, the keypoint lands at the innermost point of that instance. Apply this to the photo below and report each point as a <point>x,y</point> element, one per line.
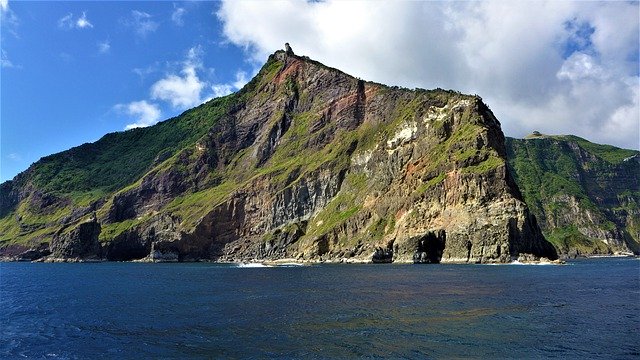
<point>74,71</point>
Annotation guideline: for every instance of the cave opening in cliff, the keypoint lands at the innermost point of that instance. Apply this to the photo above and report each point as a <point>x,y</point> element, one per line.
<point>430,248</point>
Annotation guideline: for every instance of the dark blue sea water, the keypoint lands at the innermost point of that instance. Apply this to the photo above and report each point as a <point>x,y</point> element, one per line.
<point>586,309</point>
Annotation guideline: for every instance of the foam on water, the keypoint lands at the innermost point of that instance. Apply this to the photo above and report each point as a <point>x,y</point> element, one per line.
<point>291,264</point>
<point>252,265</point>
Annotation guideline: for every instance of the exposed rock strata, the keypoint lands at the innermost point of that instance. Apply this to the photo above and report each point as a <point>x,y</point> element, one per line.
<point>309,163</point>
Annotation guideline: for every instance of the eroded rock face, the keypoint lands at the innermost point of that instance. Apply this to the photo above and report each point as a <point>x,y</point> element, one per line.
<point>436,169</point>
<point>312,164</point>
<point>79,242</point>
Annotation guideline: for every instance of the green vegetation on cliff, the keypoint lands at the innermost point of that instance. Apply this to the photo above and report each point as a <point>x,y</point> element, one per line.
<point>304,161</point>
<point>584,195</point>
<point>118,159</point>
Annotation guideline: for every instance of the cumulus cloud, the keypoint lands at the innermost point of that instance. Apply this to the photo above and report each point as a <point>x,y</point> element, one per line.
<point>141,23</point>
<point>183,90</point>
<point>177,15</point>
<point>145,113</point>
<point>185,85</point>
<point>241,80</point>
<point>555,67</point>
<point>68,22</point>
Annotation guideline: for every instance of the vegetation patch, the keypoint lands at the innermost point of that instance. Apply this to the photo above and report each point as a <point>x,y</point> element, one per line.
<point>118,159</point>
<point>341,208</point>
<point>608,153</point>
<point>430,183</point>
<point>193,206</point>
<point>492,162</point>
<point>569,238</point>
<point>109,231</point>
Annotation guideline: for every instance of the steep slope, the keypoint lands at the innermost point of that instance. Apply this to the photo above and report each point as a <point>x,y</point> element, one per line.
<point>62,188</point>
<point>585,196</point>
<point>305,162</point>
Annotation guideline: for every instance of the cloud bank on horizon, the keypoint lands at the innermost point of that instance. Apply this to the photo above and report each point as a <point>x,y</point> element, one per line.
<point>555,67</point>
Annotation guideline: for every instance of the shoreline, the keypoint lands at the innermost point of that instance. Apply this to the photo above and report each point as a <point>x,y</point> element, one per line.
<point>297,262</point>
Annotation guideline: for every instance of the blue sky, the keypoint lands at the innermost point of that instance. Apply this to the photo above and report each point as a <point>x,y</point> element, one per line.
<point>74,71</point>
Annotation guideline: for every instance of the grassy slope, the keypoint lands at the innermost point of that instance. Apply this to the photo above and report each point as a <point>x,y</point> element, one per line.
<point>93,171</point>
<point>545,166</point>
<point>83,174</point>
<point>119,160</point>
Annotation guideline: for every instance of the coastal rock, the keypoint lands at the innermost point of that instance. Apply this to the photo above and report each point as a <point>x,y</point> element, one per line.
<point>34,254</point>
<point>309,163</point>
<point>78,242</point>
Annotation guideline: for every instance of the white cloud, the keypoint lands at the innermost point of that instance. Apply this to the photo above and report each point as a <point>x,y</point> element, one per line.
<point>555,67</point>
<point>145,113</point>
<point>241,80</point>
<point>183,88</point>
<point>141,22</point>
<point>8,19</point>
<point>182,91</point>
<point>83,22</point>
<point>177,15</point>
<point>219,90</point>
<point>67,22</point>
<point>104,47</point>
<point>580,66</point>
<point>6,63</point>
<point>14,157</point>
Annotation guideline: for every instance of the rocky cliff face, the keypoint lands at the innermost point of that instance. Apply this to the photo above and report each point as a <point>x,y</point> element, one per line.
<point>307,163</point>
<point>585,196</point>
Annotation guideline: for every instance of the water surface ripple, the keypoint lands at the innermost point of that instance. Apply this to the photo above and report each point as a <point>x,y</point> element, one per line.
<point>589,308</point>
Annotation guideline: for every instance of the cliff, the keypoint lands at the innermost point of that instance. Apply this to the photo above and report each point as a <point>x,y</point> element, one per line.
<point>305,162</point>
<point>585,196</point>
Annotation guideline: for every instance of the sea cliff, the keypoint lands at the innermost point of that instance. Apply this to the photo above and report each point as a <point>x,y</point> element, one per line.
<point>304,163</point>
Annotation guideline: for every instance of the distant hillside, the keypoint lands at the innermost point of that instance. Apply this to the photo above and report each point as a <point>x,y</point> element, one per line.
<point>585,196</point>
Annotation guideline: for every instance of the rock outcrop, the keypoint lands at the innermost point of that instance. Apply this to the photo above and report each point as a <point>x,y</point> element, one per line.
<point>309,163</point>
<point>79,242</point>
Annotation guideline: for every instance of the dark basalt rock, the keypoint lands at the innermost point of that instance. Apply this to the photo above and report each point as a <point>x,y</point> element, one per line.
<point>79,242</point>
<point>430,248</point>
<point>381,256</point>
<point>34,254</point>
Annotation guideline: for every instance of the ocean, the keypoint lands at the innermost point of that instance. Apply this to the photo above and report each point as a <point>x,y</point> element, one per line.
<point>589,308</point>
